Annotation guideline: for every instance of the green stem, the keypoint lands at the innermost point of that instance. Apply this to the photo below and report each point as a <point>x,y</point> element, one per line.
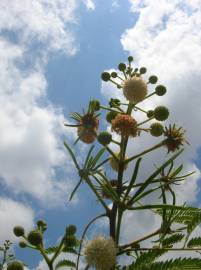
<point>139,109</point>
<point>108,109</point>
<point>151,118</point>
<point>140,240</point>
<point>144,152</point>
<point>45,257</point>
<point>97,194</point>
<point>58,251</point>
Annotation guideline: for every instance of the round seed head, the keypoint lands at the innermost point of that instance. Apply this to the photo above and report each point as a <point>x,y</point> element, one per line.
<point>160,90</point>
<point>150,113</point>
<point>161,113</point>
<point>104,138</point>
<point>130,59</point>
<point>18,231</point>
<point>105,76</point>
<point>156,129</point>
<point>153,79</point>
<point>113,74</point>
<point>122,67</point>
<point>143,70</point>
<point>35,237</point>
<point>15,265</point>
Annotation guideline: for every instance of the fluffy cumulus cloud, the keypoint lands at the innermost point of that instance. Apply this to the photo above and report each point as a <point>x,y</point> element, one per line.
<point>13,213</point>
<point>31,127</point>
<point>166,38</point>
<point>43,20</point>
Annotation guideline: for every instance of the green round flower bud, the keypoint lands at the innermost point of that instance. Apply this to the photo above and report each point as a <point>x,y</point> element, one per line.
<point>156,129</point>
<point>71,229</point>
<point>70,241</point>
<point>113,74</point>
<point>143,70</point>
<point>104,138</point>
<point>95,105</point>
<point>15,265</point>
<point>18,231</point>
<point>41,223</point>
<point>130,59</point>
<point>114,102</point>
<point>110,116</point>
<point>105,76</point>
<point>122,67</point>
<point>150,113</point>
<point>22,244</point>
<point>153,79</point>
<point>35,237</point>
<point>160,90</point>
<point>161,113</point>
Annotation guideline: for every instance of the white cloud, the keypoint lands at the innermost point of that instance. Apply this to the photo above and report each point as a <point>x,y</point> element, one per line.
<point>89,4</point>
<point>31,148</point>
<point>13,213</point>
<point>43,20</point>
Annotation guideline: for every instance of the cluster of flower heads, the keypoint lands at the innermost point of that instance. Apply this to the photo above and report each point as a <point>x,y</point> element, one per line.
<point>122,121</point>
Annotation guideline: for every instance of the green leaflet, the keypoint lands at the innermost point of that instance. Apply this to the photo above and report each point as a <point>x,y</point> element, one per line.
<point>65,263</point>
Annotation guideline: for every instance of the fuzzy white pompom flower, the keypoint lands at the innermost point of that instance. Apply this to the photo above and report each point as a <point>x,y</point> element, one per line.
<point>135,89</point>
<point>101,253</point>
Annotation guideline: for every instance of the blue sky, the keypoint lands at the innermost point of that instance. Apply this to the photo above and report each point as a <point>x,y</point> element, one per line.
<point>51,63</point>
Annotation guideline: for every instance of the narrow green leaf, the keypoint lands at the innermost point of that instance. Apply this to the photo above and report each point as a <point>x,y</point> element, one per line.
<point>72,155</point>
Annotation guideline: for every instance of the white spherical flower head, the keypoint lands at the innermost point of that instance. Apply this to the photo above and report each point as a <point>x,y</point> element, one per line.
<point>135,89</point>
<point>101,253</point>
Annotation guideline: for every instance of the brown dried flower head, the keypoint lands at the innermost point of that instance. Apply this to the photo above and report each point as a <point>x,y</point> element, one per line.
<point>125,125</point>
<point>175,138</point>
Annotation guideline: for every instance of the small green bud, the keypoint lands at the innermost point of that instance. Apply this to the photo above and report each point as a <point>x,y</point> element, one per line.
<point>18,231</point>
<point>35,237</point>
<point>41,223</point>
<point>15,265</point>
<point>104,138</point>
<point>160,90</point>
<point>143,70</point>
<point>156,129</point>
<point>150,113</point>
<point>113,74</point>
<point>22,244</point>
<point>110,116</point>
<point>105,76</point>
<point>114,102</point>
<point>122,67</point>
<point>153,79</point>
<point>130,59</point>
<point>161,113</point>
<point>95,105</point>
<point>71,229</point>
<point>70,241</point>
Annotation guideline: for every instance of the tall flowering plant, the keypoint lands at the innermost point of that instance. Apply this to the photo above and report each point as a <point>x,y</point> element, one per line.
<point>119,194</point>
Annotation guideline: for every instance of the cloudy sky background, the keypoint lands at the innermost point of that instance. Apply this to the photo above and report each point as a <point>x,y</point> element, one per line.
<point>51,56</point>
